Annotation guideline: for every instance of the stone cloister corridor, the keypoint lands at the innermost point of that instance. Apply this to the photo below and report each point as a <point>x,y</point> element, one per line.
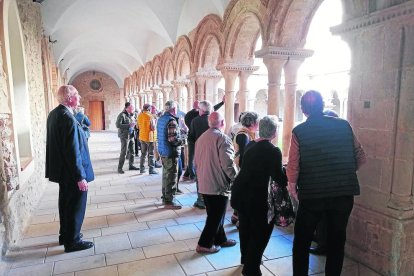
<point>135,235</point>
<point>249,52</point>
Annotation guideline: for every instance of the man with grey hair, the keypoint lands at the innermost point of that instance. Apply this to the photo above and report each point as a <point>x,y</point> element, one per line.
<point>213,160</point>
<point>198,126</point>
<point>169,148</point>
<point>68,163</point>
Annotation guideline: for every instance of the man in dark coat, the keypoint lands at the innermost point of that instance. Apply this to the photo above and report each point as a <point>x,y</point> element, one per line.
<point>68,163</point>
<point>324,156</point>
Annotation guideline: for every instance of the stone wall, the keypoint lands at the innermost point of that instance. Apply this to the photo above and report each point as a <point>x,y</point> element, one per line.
<point>381,101</point>
<point>18,204</point>
<point>109,93</point>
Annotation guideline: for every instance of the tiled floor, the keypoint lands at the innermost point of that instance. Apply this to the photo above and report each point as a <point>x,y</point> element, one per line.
<point>134,235</point>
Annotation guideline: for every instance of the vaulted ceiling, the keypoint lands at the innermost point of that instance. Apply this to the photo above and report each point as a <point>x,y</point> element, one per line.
<point>117,37</point>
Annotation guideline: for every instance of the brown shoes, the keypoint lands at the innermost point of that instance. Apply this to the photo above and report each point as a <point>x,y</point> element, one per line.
<point>228,243</point>
<point>211,250</point>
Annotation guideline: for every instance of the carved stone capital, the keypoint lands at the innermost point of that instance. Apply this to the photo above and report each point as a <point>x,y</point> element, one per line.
<point>236,67</point>
<point>283,53</point>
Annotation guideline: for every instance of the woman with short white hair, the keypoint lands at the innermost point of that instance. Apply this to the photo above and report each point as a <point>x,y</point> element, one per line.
<point>262,161</point>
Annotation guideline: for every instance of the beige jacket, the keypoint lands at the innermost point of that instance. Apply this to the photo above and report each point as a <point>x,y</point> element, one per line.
<point>214,162</point>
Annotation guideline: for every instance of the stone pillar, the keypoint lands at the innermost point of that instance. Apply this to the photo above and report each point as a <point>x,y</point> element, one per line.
<point>380,110</point>
<point>201,92</point>
<point>179,87</point>
<point>230,73</point>
<point>291,73</point>
<point>243,89</point>
<point>190,93</point>
<point>212,80</point>
<point>148,95</point>
<point>166,89</point>
<point>137,102</point>
<point>156,90</point>
<point>274,72</point>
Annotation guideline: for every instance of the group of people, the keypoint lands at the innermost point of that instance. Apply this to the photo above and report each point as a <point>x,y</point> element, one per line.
<point>321,173</point>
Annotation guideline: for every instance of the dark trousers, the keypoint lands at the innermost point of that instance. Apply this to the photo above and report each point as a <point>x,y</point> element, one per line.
<point>189,172</point>
<point>310,212</point>
<point>137,145</point>
<point>147,148</point>
<point>213,232</point>
<point>254,234</point>
<point>127,150</point>
<point>321,233</point>
<point>72,206</point>
<point>169,178</point>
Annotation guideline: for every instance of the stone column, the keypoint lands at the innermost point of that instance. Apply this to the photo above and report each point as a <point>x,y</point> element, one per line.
<point>243,89</point>
<point>179,87</point>
<point>190,92</point>
<point>230,73</point>
<point>156,90</point>
<point>274,73</point>
<point>148,95</point>
<point>137,103</point>
<point>291,73</point>
<point>166,89</point>
<point>201,92</point>
<point>212,80</point>
<point>380,110</point>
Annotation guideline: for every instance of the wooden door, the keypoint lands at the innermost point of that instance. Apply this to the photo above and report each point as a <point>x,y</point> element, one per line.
<point>97,115</point>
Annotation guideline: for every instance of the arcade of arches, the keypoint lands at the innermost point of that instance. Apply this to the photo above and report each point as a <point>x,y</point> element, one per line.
<point>221,50</point>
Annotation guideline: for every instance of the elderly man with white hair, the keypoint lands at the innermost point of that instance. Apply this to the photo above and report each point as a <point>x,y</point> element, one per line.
<point>68,163</point>
<point>213,159</point>
<point>169,148</point>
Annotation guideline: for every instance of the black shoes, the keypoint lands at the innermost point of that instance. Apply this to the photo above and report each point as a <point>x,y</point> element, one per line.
<point>199,205</point>
<point>317,250</point>
<point>61,242</point>
<point>153,172</point>
<point>78,246</point>
<point>133,168</point>
<point>121,172</point>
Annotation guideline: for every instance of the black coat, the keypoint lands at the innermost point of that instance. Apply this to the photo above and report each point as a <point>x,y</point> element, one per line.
<point>67,152</point>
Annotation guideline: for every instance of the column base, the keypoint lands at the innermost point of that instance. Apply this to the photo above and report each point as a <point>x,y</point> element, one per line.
<point>381,242</point>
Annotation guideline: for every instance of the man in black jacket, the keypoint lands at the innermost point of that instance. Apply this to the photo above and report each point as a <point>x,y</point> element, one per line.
<point>189,117</point>
<point>324,156</point>
<point>68,163</point>
<point>125,123</point>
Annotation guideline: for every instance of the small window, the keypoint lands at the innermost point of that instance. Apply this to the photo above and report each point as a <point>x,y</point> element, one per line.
<point>95,85</point>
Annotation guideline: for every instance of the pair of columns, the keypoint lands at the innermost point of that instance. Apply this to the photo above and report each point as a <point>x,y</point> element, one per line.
<point>277,59</point>
<point>230,73</point>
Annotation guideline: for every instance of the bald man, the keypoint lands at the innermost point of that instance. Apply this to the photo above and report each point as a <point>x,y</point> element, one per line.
<point>213,159</point>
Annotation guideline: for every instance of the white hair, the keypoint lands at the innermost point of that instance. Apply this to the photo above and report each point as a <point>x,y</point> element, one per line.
<point>65,92</point>
<point>205,106</point>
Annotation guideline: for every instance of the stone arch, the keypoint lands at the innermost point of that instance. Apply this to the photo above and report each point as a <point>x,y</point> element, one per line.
<point>156,70</point>
<point>289,21</point>
<point>167,64</point>
<point>243,25</point>
<point>207,43</point>
<point>148,81</point>
<point>181,56</point>
<point>140,78</point>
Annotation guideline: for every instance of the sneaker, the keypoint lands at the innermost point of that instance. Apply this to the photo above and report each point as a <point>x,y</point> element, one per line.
<point>133,168</point>
<point>199,205</point>
<point>172,205</point>
<point>153,172</point>
<point>157,165</point>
